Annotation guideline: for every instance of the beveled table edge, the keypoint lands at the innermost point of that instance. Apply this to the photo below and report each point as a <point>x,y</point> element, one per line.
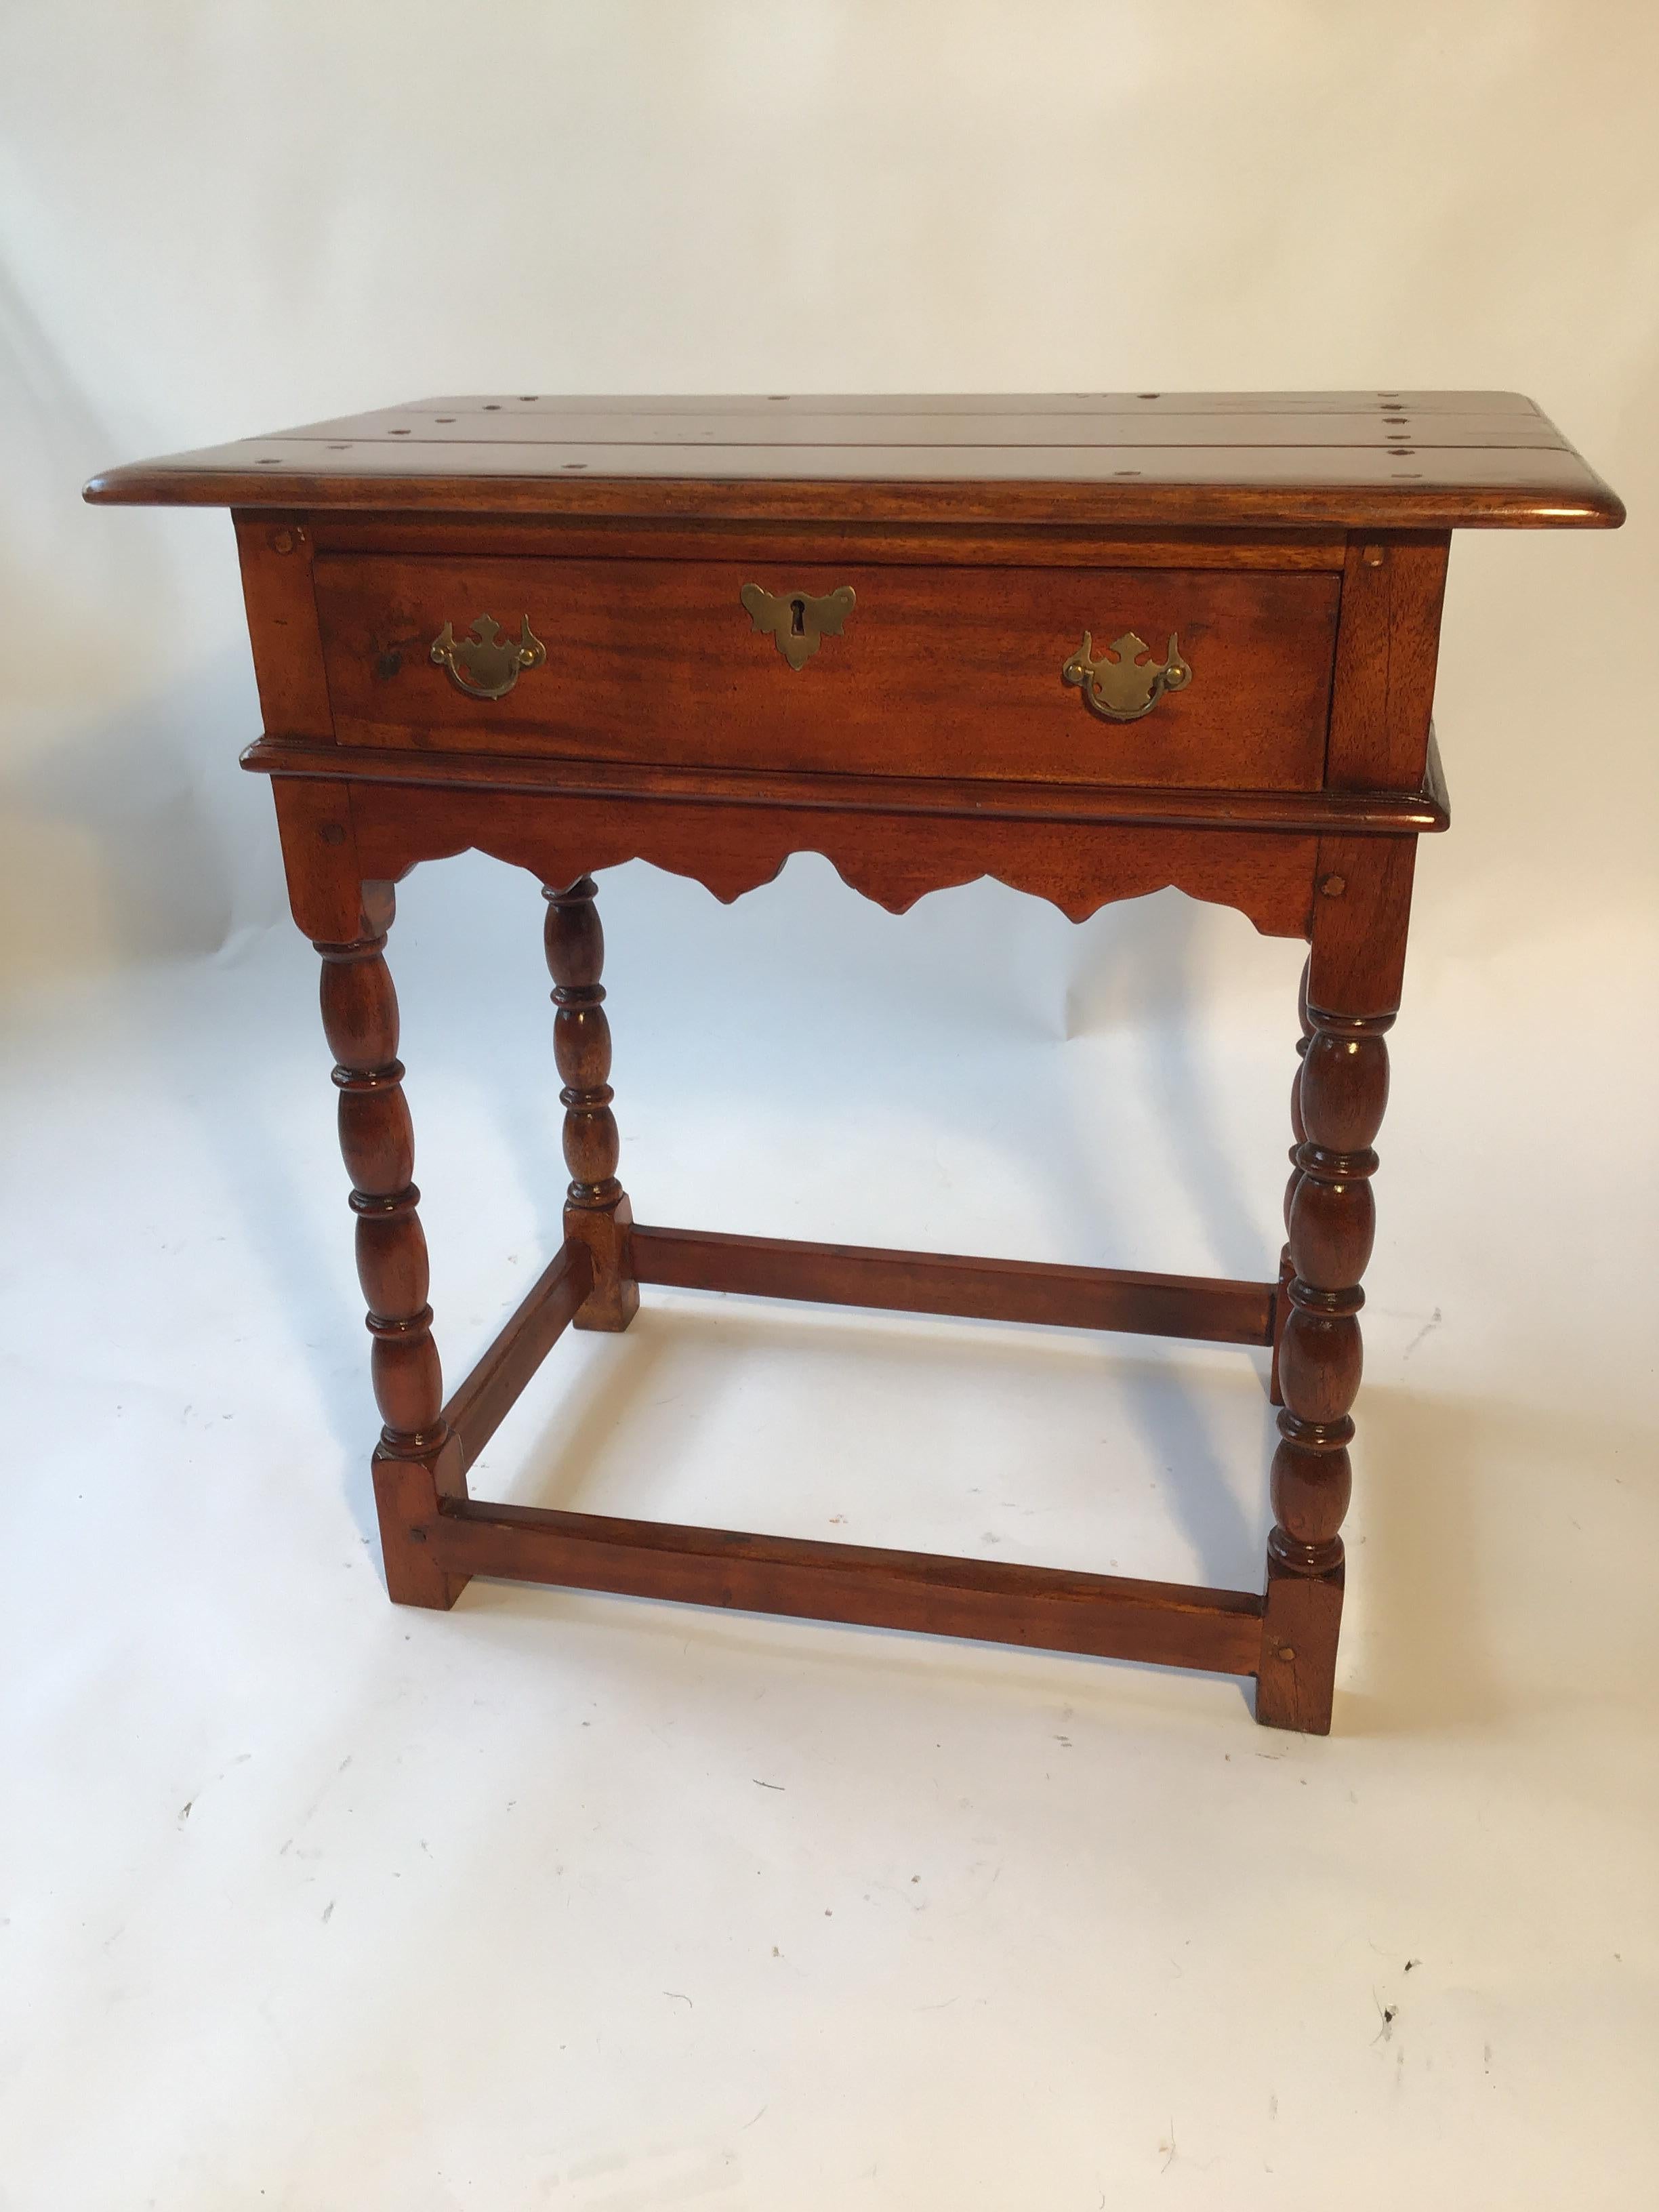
<point>1030,498</point>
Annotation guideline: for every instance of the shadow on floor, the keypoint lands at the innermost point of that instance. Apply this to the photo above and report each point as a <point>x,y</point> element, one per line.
<point>1179,1416</point>
<point>1419,1642</point>
<point>1431,1474</point>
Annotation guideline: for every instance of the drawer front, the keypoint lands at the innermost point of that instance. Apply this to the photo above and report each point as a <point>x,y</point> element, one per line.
<point>923,672</point>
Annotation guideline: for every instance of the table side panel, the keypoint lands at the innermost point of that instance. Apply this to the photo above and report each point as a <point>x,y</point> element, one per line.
<point>277,553</point>
<point>1417,593</point>
<point>1388,648</point>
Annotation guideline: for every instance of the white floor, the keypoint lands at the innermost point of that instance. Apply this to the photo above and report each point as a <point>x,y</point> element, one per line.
<point>310,1902</point>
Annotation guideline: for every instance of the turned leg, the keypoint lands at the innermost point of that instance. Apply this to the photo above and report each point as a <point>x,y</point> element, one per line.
<point>1344,1088</point>
<point>416,1458</point>
<point>596,1210</point>
<point>1286,1271</point>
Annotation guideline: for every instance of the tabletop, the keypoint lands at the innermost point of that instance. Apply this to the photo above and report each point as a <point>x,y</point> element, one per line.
<point>1356,459</point>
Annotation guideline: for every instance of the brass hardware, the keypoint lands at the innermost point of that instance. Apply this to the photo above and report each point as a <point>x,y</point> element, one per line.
<point>1125,688</point>
<point>798,623</point>
<point>282,541</point>
<point>1333,886</point>
<point>492,662</point>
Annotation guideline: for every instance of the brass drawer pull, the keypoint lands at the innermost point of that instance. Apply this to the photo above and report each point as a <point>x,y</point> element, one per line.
<point>798,623</point>
<point>1124,688</point>
<point>486,666</point>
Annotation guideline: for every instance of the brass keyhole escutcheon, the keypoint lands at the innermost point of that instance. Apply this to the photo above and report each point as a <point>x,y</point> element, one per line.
<point>1120,686</point>
<point>798,623</point>
<point>486,666</point>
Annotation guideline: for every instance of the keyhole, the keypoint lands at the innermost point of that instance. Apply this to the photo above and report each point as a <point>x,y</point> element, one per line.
<point>797,617</point>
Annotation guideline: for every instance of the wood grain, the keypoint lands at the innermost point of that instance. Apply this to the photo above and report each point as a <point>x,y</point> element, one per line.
<point>275,552</point>
<point>1109,1616</point>
<point>1357,814</point>
<point>1196,1306</point>
<point>948,425</point>
<point>1351,991</point>
<point>809,544</point>
<point>319,855</point>
<point>1387,651</point>
<point>484,1400</point>
<point>1359,460</point>
<point>1352,489</point>
<point>596,1212</point>
<point>1358,958</point>
<point>894,859</point>
<point>950,672</point>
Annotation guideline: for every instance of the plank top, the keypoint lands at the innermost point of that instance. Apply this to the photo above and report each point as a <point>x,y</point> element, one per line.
<point>1358,459</point>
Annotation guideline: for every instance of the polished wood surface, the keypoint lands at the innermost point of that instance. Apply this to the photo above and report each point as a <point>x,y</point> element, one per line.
<point>991,543</point>
<point>1375,812</point>
<point>893,858</point>
<point>1357,459</point>
<point>490,1391</point>
<point>597,1213</point>
<point>1109,1616</point>
<point>377,1142</point>
<point>1296,543</point>
<point>417,1455</point>
<point>949,672</point>
<point>936,1283</point>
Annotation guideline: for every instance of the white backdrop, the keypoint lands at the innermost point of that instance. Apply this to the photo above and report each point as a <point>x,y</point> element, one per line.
<point>221,217</point>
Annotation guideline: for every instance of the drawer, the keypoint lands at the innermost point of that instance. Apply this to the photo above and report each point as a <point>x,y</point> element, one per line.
<point>921,672</point>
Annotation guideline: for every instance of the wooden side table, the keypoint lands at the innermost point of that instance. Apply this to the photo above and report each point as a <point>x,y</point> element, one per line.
<point>1088,644</point>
